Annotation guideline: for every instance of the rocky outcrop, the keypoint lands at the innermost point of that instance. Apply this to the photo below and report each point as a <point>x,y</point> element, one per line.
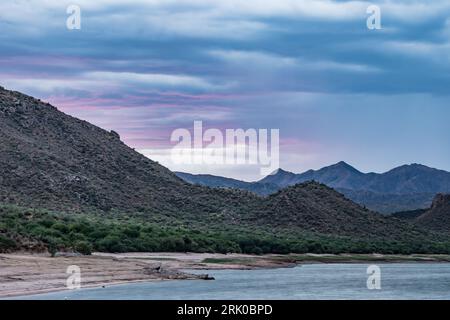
<point>441,201</point>
<point>438,216</point>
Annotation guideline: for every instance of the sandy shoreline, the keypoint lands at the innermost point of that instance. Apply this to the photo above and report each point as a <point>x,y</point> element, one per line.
<point>26,274</point>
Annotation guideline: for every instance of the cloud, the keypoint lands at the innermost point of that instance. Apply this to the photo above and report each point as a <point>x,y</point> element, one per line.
<point>271,61</point>
<point>102,80</point>
<point>255,58</point>
<point>427,50</point>
<point>162,80</point>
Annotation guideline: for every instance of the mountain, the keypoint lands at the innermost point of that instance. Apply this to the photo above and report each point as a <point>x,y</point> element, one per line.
<point>339,175</point>
<point>222,182</point>
<point>318,208</point>
<point>125,201</point>
<point>387,203</point>
<point>438,216</point>
<point>281,178</point>
<point>312,205</point>
<point>404,188</point>
<point>410,179</point>
<point>51,160</point>
<point>407,187</point>
<point>406,179</point>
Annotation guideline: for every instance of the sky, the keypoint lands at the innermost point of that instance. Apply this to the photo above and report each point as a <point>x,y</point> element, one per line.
<point>335,89</point>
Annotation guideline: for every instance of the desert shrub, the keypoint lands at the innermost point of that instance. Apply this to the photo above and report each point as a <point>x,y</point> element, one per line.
<point>52,248</point>
<point>7,244</point>
<point>110,244</point>
<point>61,227</point>
<point>83,247</point>
<point>132,231</point>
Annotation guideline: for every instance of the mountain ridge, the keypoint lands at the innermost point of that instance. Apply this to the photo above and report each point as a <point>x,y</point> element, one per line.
<point>403,188</point>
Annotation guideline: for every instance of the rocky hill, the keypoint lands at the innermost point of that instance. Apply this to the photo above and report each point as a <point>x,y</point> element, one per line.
<point>317,208</point>
<point>438,216</point>
<point>51,160</point>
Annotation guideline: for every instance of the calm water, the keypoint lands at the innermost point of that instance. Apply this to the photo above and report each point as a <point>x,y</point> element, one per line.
<point>319,281</point>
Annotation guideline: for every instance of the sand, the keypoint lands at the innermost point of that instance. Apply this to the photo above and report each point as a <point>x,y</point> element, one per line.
<point>22,274</point>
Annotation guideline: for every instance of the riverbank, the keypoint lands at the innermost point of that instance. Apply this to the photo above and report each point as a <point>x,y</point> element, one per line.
<point>24,274</point>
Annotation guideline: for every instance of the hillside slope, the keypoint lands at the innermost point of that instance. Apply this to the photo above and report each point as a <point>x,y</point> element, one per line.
<point>317,208</point>
<point>54,161</point>
<point>437,218</point>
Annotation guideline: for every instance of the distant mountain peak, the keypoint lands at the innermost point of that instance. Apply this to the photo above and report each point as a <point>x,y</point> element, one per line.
<point>413,165</point>
<point>412,168</point>
<point>342,165</point>
<point>280,177</point>
<point>280,172</point>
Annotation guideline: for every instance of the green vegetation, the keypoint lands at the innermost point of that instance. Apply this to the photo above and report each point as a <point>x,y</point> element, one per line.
<point>331,258</point>
<point>242,261</point>
<point>43,230</point>
<point>7,244</point>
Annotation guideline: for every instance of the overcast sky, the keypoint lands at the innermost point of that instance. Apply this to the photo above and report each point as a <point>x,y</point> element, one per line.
<point>335,89</point>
